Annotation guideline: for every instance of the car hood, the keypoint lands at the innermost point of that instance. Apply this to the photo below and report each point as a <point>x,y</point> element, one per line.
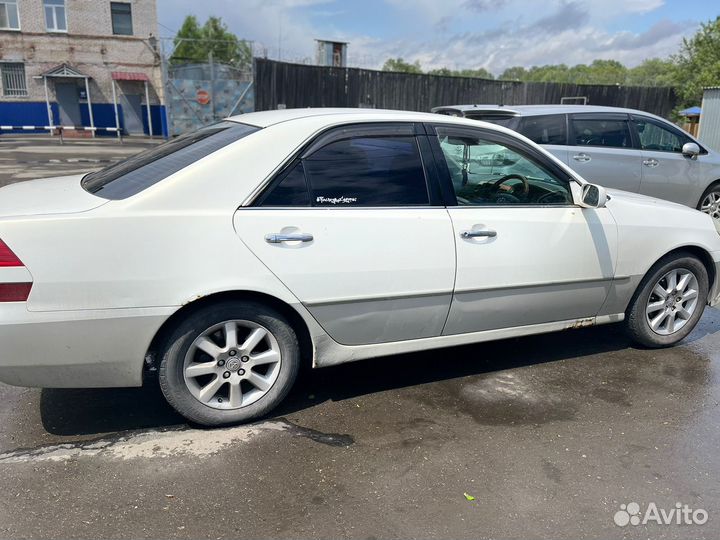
<point>638,199</point>
<point>59,195</point>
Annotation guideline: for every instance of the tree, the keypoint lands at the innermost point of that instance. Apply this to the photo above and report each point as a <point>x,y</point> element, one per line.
<point>398,64</point>
<point>195,43</point>
<point>698,63</point>
<point>480,73</point>
<point>653,72</point>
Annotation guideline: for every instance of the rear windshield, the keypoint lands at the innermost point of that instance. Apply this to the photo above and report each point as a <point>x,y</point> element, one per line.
<point>131,176</point>
<point>509,122</point>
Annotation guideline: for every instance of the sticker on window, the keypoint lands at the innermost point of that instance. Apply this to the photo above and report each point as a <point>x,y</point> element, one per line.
<point>336,200</point>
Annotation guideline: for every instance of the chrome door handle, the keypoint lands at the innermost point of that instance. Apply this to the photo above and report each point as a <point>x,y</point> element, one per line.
<point>582,157</point>
<point>277,238</point>
<point>652,162</point>
<point>487,233</point>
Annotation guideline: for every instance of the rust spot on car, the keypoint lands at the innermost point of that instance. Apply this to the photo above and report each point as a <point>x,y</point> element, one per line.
<point>582,323</point>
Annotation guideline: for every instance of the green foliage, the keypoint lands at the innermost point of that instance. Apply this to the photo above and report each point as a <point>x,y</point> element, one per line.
<point>698,63</point>
<point>480,73</point>
<point>398,64</point>
<point>194,43</point>
<point>653,72</point>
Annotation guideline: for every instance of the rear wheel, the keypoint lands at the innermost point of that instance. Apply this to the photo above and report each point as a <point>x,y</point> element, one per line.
<point>669,301</point>
<point>229,363</point>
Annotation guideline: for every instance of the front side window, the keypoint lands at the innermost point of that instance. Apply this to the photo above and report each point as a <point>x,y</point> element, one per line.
<point>55,20</point>
<point>14,83</point>
<point>367,171</point>
<point>121,14</point>
<point>139,172</point>
<point>485,172</point>
<point>600,132</point>
<point>545,129</point>
<point>9,19</point>
<point>653,136</point>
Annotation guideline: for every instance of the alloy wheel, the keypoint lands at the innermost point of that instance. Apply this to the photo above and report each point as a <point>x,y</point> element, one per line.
<point>232,364</point>
<point>672,302</point>
<point>711,204</point>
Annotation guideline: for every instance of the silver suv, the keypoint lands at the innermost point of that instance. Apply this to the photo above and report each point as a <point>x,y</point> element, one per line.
<point>617,148</point>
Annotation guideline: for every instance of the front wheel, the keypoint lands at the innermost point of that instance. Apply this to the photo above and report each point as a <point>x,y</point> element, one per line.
<point>229,363</point>
<point>668,302</point>
<point>710,202</point>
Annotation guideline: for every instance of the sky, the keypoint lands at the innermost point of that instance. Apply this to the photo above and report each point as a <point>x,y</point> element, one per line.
<point>458,34</point>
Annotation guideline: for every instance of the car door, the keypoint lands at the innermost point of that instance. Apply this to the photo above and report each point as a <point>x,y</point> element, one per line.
<point>354,227</point>
<point>602,150</point>
<point>548,130</point>
<point>666,172</point>
<point>526,254</point>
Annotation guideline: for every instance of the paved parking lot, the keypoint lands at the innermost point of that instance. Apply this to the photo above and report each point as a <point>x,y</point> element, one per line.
<point>550,435</point>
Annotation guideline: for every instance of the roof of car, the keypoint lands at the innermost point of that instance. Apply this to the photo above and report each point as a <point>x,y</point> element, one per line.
<point>533,110</point>
<point>268,118</point>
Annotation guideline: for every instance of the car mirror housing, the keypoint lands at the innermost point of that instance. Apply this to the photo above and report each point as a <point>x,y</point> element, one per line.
<point>593,196</point>
<point>691,150</point>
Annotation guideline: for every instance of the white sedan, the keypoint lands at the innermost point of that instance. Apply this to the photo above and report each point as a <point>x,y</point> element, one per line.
<point>225,258</point>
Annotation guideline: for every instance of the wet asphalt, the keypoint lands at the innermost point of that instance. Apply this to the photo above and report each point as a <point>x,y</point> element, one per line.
<point>549,434</point>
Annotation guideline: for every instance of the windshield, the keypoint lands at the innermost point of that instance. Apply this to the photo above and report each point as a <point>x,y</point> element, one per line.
<point>139,172</point>
<point>509,122</point>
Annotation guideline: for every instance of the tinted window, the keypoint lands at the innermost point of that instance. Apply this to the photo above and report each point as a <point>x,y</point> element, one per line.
<point>290,191</point>
<point>654,136</point>
<point>139,172</point>
<point>548,129</point>
<point>506,121</point>
<point>598,132</point>
<point>489,173</point>
<point>367,171</point>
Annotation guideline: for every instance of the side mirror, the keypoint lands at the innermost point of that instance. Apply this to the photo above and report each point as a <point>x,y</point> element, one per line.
<point>690,150</point>
<point>593,196</point>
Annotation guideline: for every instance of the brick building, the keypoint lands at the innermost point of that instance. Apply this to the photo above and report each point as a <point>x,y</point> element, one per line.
<point>81,62</point>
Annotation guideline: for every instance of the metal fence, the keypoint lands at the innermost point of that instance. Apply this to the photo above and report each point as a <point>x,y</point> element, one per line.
<point>710,118</point>
<point>279,84</point>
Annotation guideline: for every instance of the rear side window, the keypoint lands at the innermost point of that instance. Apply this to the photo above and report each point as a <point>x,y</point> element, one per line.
<point>367,171</point>
<point>600,132</point>
<point>291,190</point>
<point>139,172</point>
<point>546,129</point>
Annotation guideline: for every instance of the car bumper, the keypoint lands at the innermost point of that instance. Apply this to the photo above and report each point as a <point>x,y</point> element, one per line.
<point>76,349</point>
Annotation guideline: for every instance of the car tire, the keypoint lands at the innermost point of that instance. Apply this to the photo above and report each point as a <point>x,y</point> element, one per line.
<point>709,203</point>
<point>649,314</point>
<point>205,365</point>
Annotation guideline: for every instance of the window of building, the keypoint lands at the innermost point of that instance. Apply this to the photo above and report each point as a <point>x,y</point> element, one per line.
<point>13,79</point>
<point>55,20</point>
<point>121,14</point>
<point>9,19</point>
<point>368,171</point>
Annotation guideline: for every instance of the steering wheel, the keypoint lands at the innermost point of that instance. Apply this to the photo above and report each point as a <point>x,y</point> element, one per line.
<point>501,181</point>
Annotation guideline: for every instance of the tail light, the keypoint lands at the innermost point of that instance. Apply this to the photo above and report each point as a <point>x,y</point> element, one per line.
<point>7,257</point>
<point>12,292</point>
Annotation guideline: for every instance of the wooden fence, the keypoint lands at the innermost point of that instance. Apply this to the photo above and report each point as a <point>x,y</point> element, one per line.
<point>298,85</point>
